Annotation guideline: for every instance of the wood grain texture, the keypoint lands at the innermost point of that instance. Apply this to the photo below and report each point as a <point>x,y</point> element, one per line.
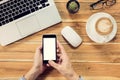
<point>91,60</point>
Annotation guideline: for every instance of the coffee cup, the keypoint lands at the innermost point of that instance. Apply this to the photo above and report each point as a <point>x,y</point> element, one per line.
<point>103,26</point>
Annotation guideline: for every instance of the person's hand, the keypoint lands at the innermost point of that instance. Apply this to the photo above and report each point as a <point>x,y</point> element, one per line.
<point>38,67</point>
<point>38,61</point>
<point>64,65</point>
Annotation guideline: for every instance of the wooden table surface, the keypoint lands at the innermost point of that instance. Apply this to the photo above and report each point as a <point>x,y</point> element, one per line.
<point>91,60</point>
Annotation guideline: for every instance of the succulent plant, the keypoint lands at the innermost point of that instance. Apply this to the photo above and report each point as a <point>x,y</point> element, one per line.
<point>73,6</point>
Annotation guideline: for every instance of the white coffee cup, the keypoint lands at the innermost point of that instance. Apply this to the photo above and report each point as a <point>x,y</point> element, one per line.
<point>101,27</point>
<point>104,26</point>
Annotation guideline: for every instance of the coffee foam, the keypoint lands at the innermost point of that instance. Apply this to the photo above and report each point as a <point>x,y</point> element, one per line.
<point>104,26</point>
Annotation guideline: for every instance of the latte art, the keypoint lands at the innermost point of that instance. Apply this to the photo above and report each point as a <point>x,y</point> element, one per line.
<point>104,26</point>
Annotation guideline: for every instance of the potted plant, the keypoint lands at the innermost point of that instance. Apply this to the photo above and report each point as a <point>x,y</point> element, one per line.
<point>73,6</point>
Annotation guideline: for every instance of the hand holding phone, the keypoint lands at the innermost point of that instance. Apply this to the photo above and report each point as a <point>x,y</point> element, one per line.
<point>49,48</point>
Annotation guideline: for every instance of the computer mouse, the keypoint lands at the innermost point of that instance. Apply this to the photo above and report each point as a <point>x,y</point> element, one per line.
<point>71,36</point>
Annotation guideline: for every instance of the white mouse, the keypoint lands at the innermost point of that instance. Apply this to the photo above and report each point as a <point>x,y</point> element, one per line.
<point>71,36</point>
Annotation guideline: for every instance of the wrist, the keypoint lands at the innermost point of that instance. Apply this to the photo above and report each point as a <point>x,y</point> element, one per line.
<point>36,70</point>
<point>32,74</point>
<point>72,76</point>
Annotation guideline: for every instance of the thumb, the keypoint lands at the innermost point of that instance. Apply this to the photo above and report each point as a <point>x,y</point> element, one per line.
<point>53,64</point>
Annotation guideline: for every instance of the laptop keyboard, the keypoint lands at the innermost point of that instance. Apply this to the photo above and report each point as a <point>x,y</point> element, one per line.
<point>15,9</point>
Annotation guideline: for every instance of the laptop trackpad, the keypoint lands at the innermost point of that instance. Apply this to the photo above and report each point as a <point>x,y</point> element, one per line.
<point>28,25</point>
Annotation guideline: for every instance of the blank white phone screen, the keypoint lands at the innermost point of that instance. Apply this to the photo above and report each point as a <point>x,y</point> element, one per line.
<point>49,49</point>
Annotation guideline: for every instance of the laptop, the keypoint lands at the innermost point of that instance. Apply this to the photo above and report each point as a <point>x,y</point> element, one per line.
<point>20,18</point>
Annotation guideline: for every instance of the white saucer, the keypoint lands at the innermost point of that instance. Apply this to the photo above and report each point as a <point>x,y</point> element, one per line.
<point>93,35</point>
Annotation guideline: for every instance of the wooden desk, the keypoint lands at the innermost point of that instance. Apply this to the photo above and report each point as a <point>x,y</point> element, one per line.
<point>92,60</point>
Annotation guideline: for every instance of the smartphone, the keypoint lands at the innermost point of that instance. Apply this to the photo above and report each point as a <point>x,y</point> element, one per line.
<point>49,48</point>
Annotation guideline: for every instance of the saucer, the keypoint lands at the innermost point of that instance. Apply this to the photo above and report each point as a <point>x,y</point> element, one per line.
<point>91,32</point>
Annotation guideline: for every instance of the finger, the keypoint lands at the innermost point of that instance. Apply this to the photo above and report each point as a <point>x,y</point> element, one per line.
<point>60,47</point>
<point>59,61</point>
<point>47,65</point>
<point>57,46</point>
<point>39,48</point>
<point>59,55</point>
<point>53,64</point>
<point>58,50</point>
